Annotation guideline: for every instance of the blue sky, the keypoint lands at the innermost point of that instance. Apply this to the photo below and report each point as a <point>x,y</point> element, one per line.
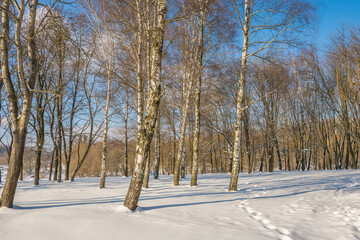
<point>333,13</point>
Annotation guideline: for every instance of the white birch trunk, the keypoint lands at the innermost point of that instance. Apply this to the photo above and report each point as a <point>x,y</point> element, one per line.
<point>146,172</point>
<point>181,148</point>
<point>125,173</point>
<point>239,101</point>
<point>146,132</point>
<point>105,136</point>
<point>194,170</point>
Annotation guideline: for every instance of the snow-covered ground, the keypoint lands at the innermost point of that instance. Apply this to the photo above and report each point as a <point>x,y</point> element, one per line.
<point>280,205</point>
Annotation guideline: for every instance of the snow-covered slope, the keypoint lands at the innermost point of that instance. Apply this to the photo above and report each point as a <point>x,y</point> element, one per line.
<point>280,205</point>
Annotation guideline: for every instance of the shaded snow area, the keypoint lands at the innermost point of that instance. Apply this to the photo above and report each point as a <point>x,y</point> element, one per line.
<point>280,205</point>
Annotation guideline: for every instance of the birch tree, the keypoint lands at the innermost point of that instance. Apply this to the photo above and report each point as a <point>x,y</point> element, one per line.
<point>146,130</point>
<point>187,83</point>
<point>201,35</point>
<point>19,119</point>
<point>126,142</point>
<point>106,48</point>
<point>108,55</point>
<point>263,24</point>
<point>198,76</point>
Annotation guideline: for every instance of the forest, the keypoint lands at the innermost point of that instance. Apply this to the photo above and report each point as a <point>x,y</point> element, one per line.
<point>146,88</point>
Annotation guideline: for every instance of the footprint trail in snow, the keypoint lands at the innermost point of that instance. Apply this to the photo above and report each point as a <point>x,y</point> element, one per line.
<point>258,216</point>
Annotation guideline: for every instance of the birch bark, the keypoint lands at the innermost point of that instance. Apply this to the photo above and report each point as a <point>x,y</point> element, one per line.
<point>195,159</point>
<point>125,173</point>
<point>146,131</point>
<point>239,101</point>
<point>106,129</point>
<point>181,148</point>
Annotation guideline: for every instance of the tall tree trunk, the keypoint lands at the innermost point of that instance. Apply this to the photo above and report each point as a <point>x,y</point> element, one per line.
<point>146,133</point>
<point>56,163</point>
<point>147,172</point>
<point>288,155</point>
<point>195,160</point>
<point>37,167</point>
<point>183,163</point>
<point>271,156</point>
<point>278,152</point>
<point>247,135</point>
<point>68,156</point>
<point>19,123</point>
<point>157,149</point>
<point>354,159</point>
<point>51,164</point>
<point>105,136</point>
<point>54,159</point>
<point>59,137</point>
<point>173,157</point>
<point>59,105</point>
<point>216,163</point>
<point>239,101</point>
<point>194,169</point>
<point>262,159</point>
<point>212,170</point>
<point>181,148</point>
<point>126,154</point>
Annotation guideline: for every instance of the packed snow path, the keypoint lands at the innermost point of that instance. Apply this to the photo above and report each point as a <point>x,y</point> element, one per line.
<point>280,205</point>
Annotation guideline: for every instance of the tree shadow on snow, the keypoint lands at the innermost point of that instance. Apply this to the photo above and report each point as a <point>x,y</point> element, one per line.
<point>67,203</point>
<point>149,208</point>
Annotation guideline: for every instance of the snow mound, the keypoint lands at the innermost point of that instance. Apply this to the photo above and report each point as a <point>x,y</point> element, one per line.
<point>4,210</point>
<point>122,209</point>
